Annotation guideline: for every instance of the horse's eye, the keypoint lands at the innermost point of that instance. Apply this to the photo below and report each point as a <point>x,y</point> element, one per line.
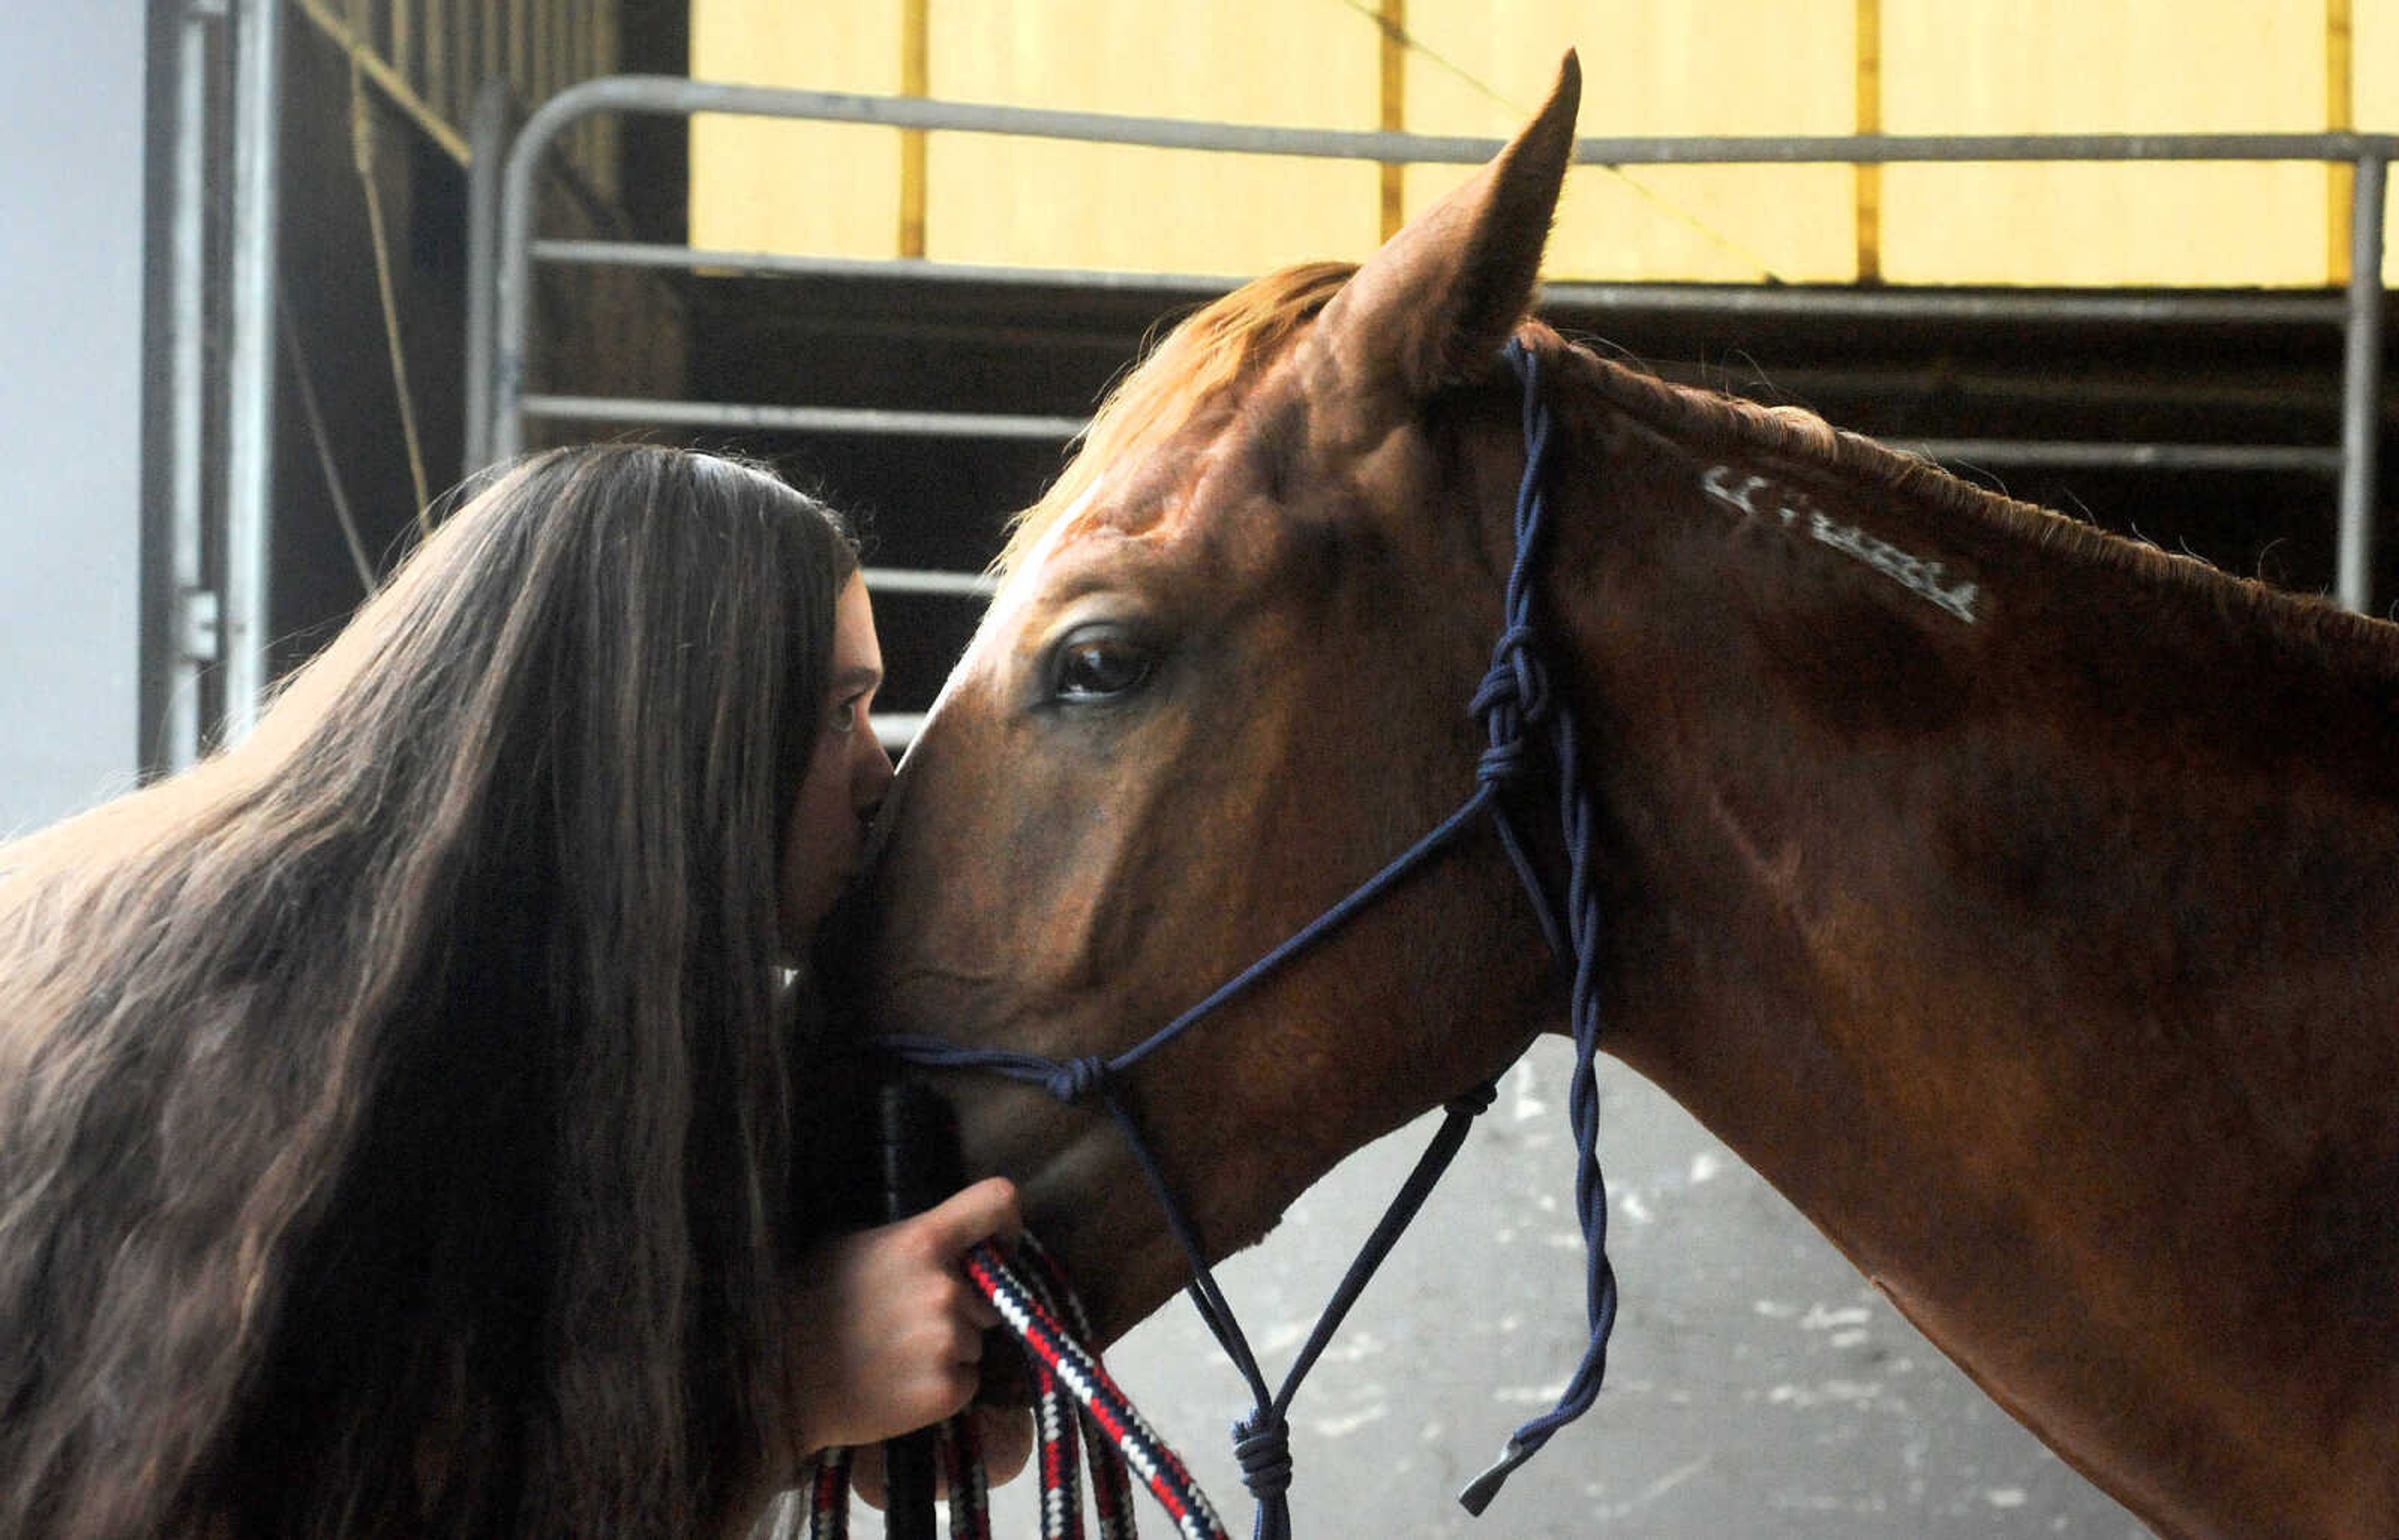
<point>1097,666</point>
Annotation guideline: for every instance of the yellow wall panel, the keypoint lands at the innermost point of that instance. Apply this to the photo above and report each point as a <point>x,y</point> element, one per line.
<point>1666,67</point>
<point>2375,50</point>
<point>2122,66</point>
<point>1480,66</point>
<point>759,184</point>
<point>1048,203</point>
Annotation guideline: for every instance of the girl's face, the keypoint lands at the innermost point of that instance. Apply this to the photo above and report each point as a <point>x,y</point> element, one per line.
<point>845,778</point>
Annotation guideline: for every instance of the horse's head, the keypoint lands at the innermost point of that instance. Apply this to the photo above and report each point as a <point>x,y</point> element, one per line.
<point>1225,680</point>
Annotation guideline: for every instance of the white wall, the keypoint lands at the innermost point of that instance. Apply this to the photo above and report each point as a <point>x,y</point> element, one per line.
<point>71,285</point>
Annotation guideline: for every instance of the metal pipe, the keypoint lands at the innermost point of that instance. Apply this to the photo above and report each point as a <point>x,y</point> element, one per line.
<point>2361,385</point>
<point>188,401</point>
<point>672,94</point>
<point>645,412</point>
<point>2260,308</point>
<point>642,411</point>
<point>645,254</point>
<point>2264,309</point>
<point>487,129</point>
<point>249,363</point>
<point>898,729</point>
<point>917,580</point>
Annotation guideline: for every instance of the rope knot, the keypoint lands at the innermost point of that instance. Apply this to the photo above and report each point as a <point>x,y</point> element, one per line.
<point>1502,762</point>
<point>1074,1080</point>
<point>1513,696</point>
<point>1518,676</point>
<point>1262,1444</point>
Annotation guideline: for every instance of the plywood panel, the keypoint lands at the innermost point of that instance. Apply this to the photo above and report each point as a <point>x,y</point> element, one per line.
<point>2131,66</point>
<point>1309,65</point>
<point>762,185</point>
<point>1669,67</point>
<point>1481,66</point>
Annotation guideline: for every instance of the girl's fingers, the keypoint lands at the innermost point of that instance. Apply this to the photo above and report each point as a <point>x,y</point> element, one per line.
<point>971,1215</point>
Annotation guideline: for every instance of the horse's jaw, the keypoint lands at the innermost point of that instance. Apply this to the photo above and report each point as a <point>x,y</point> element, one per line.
<point>1085,1198</point>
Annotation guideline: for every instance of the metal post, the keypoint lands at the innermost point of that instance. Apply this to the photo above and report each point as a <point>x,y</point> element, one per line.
<point>191,627</point>
<point>249,371</point>
<point>487,137</point>
<point>2361,403</point>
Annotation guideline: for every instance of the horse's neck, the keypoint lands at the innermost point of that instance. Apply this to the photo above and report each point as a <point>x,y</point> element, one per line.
<point>2035,929</point>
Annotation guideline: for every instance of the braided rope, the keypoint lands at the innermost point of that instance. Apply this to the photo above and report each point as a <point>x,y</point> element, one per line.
<point>1128,1435</point>
<point>1112,1511</point>
<point>1074,1394</point>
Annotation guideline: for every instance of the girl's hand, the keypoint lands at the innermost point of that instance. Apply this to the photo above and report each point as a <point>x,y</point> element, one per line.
<point>1004,1432</point>
<point>887,1332</point>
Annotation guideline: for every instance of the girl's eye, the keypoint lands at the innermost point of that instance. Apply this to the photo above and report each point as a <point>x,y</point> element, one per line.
<point>846,715</point>
<point>1093,665</point>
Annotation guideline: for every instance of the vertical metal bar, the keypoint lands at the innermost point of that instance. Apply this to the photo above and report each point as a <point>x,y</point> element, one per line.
<point>2361,386</point>
<point>250,365</point>
<point>512,281</point>
<point>487,133</point>
<point>916,79</point>
<point>1392,47</point>
<point>436,88</point>
<point>516,43</point>
<point>404,40</point>
<point>188,405</point>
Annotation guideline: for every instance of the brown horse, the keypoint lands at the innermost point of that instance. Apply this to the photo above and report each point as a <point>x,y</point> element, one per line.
<point>2023,902</point>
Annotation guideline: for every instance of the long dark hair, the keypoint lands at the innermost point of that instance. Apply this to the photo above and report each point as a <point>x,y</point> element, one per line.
<point>396,1130</point>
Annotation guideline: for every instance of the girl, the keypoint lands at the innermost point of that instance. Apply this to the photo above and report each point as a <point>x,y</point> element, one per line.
<point>405,1124</point>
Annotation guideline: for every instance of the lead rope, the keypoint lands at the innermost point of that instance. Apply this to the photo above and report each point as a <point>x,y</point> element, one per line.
<point>1075,1401</point>
<point>1516,704</point>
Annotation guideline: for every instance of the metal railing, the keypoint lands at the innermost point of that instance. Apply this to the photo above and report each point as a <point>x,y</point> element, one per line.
<point>497,351</point>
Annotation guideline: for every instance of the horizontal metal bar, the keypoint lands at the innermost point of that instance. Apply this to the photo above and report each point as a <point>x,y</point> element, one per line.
<point>618,253</point>
<point>672,94</point>
<point>2028,451</point>
<point>923,580</point>
<point>1923,149</point>
<point>2254,307</point>
<point>596,409</point>
<point>644,412</point>
<point>898,729</point>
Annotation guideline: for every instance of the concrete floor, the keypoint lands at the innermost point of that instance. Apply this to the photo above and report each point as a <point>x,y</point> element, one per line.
<point>1758,1390</point>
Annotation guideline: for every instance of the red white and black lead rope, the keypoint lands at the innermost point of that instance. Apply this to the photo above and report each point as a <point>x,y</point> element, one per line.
<point>1074,1402</point>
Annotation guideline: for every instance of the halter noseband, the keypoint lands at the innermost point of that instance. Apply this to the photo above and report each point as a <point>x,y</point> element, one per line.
<point>1519,710</point>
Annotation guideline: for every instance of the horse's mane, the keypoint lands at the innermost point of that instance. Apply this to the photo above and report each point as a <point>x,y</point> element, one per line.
<point>1203,360</point>
<point>1222,347</point>
<point>1715,422</point>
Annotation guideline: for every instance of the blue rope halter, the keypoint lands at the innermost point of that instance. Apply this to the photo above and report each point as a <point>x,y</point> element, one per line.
<point>1518,709</point>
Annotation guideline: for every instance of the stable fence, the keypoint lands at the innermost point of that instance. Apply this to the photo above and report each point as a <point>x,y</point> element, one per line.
<point>504,247</point>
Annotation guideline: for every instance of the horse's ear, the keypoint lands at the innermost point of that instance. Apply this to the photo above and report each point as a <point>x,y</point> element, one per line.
<point>1441,295</point>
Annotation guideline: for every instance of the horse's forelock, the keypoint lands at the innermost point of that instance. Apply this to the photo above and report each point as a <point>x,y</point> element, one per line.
<point>1215,352</point>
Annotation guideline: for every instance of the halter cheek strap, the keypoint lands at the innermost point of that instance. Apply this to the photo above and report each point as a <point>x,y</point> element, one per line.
<point>1522,715</point>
